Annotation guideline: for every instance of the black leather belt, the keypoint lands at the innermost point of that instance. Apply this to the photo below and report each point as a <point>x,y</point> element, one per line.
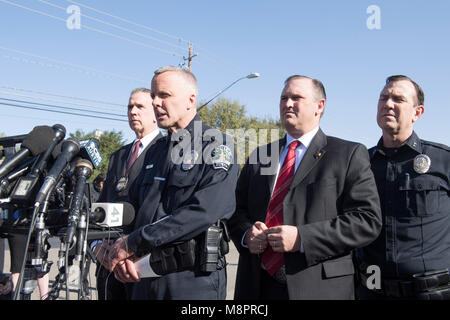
<point>280,276</point>
<point>433,285</point>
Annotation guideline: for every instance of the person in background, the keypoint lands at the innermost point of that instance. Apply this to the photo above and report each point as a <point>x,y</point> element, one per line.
<point>124,166</point>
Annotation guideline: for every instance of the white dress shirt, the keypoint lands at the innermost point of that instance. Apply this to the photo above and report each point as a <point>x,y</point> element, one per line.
<point>145,141</point>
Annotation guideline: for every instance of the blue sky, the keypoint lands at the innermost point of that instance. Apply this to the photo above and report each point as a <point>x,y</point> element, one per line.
<point>328,40</point>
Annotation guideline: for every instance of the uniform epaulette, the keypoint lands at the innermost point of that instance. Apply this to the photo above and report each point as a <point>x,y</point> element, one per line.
<point>436,145</point>
<point>372,151</point>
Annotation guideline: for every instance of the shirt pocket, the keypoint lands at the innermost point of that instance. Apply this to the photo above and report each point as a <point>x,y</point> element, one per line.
<point>421,196</point>
<point>181,184</point>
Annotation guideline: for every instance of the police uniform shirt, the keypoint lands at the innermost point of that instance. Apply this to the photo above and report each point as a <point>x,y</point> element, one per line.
<point>413,184</point>
<point>178,201</point>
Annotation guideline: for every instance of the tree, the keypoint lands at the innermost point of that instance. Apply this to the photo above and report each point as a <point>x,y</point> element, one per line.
<point>110,141</point>
<point>247,132</point>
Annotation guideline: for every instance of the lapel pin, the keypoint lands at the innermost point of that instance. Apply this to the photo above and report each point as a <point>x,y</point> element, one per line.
<point>318,154</point>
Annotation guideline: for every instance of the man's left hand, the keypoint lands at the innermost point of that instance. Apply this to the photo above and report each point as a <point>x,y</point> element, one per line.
<point>118,252</point>
<point>284,238</point>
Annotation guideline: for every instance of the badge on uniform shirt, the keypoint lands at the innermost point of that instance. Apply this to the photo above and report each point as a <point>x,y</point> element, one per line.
<point>189,160</point>
<point>422,163</point>
<point>121,184</point>
<point>222,157</point>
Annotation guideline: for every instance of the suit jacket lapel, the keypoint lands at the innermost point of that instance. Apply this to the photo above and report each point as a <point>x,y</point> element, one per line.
<point>312,156</point>
<point>123,157</point>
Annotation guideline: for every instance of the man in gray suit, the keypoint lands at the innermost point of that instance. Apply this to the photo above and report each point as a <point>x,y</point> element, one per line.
<point>124,166</point>
<point>303,204</point>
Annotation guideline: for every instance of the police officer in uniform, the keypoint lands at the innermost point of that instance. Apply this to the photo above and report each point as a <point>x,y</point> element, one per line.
<point>122,171</point>
<point>412,176</point>
<point>183,190</point>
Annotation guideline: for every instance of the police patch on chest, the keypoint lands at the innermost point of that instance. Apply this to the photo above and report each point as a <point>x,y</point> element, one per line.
<point>189,160</point>
<point>222,157</point>
<point>422,163</point>
<point>121,184</point>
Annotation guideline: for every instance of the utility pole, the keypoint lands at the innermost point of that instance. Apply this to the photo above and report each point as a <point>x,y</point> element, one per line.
<point>191,55</point>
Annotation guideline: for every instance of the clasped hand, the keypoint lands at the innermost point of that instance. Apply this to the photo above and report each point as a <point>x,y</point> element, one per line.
<point>283,238</point>
<point>117,258</point>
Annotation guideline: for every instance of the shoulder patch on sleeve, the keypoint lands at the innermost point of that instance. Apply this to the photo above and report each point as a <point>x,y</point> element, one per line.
<point>222,157</point>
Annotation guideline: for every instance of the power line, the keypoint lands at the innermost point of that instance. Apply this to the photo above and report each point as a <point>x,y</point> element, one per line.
<point>64,112</point>
<point>68,108</point>
<point>92,29</point>
<point>205,53</point>
<point>73,67</point>
<point>130,22</point>
<point>56,119</point>
<point>115,26</point>
<point>60,96</point>
<point>57,101</point>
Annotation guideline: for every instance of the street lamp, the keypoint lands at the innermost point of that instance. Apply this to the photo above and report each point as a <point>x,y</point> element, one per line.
<point>250,76</point>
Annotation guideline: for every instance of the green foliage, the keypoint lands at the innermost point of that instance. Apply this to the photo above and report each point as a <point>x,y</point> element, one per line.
<point>110,141</point>
<point>247,132</point>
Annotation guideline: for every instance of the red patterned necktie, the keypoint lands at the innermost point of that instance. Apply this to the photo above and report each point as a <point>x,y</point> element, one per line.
<point>133,156</point>
<point>271,260</point>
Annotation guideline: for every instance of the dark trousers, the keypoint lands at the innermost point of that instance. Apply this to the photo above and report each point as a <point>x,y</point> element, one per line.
<point>272,289</point>
<point>109,288</point>
<point>184,285</point>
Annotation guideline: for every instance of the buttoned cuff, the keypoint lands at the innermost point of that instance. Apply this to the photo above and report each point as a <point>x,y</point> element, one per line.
<point>94,243</point>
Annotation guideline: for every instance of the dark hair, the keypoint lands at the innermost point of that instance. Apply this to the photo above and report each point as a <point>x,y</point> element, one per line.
<point>420,96</point>
<point>318,85</point>
<point>100,177</point>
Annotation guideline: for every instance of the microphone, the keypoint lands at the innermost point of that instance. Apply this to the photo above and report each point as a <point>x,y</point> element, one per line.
<point>27,187</point>
<point>90,150</point>
<point>36,142</point>
<point>83,170</point>
<point>69,149</point>
<point>21,170</point>
<point>112,214</point>
<point>59,134</point>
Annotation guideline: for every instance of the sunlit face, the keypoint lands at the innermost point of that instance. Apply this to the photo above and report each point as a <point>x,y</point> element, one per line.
<point>397,108</point>
<point>300,109</point>
<point>141,116</point>
<point>173,99</point>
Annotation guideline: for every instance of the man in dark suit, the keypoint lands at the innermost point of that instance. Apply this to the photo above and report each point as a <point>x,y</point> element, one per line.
<point>124,166</point>
<point>303,204</point>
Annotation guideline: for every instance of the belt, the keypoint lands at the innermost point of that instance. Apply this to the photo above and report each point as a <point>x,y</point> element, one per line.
<point>392,287</point>
<point>279,276</point>
<point>433,285</point>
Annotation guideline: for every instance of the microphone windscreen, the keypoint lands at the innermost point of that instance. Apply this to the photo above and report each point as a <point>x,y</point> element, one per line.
<point>39,139</point>
<point>128,213</point>
<point>57,151</point>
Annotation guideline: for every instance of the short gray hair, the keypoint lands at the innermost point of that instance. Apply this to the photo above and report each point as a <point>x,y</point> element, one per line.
<point>186,74</point>
<point>137,90</point>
